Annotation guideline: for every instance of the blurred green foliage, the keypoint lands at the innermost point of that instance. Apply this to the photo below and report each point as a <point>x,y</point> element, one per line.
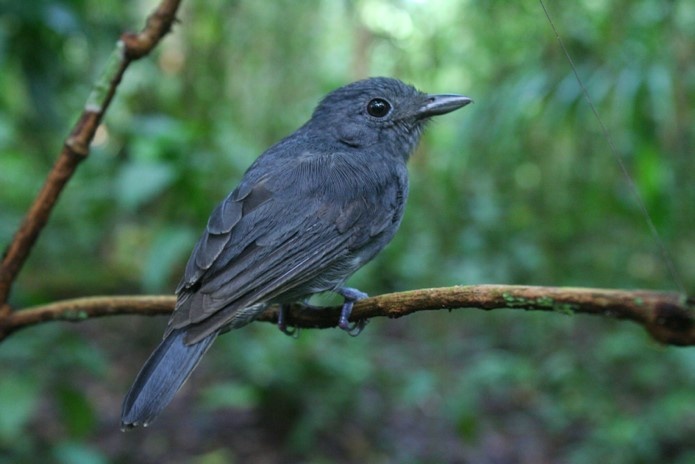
<point>519,188</point>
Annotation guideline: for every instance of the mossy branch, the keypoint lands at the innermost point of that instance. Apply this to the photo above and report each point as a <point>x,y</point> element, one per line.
<point>668,316</point>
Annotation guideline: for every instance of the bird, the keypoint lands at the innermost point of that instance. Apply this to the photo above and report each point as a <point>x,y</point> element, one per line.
<point>309,212</point>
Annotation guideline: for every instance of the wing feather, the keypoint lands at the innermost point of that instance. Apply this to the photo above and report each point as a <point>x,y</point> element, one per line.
<point>275,238</point>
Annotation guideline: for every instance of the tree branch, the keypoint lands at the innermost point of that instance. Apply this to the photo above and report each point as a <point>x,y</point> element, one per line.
<point>76,147</point>
<point>669,317</point>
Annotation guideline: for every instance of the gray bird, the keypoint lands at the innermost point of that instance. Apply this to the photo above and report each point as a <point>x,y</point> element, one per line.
<point>308,213</point>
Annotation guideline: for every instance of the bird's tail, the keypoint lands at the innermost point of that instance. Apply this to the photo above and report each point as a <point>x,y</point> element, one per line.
<point>161,377</point>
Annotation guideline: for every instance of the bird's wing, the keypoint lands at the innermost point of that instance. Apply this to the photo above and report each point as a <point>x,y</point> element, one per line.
<point>279,232</point>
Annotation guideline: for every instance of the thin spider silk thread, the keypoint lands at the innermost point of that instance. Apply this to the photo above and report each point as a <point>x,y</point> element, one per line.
<point>665,255</point>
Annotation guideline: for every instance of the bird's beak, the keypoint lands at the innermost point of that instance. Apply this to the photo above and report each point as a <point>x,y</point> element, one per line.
<point>442,104</point>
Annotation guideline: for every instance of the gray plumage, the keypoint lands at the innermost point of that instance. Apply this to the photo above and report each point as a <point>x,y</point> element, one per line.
<point>307,214</point>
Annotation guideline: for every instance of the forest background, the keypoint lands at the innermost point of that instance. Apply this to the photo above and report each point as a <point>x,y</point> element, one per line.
<point>519,188</point>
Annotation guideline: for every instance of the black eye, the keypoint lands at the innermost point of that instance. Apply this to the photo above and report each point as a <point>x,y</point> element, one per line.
<point>378,107</point>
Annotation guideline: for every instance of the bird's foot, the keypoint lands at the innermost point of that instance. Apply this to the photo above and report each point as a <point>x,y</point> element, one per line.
<point>282,322</point>
<point>351,295</point>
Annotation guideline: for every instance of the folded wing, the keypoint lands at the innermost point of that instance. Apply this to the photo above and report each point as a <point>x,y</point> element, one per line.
<point>281,236</point>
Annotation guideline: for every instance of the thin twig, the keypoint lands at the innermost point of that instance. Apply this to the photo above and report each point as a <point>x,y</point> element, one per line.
<point>76,147</point>
<point>668,316</point>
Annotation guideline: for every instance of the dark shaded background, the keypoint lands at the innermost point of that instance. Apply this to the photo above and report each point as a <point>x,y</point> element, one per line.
<point>520,188</point>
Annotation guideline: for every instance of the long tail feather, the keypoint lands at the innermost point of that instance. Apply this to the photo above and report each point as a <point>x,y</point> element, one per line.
<point>161,377</point>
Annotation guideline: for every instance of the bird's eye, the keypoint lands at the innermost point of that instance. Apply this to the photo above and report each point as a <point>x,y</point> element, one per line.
<point>378,107</point>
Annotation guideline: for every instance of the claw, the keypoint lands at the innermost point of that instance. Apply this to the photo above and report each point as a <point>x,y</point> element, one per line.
<point>355,328</point>
<point>351,295</point>
<point>282,323</point>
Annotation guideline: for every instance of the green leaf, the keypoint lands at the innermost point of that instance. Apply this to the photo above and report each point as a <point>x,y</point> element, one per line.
<point>78,453</point>
<point>18,400</point>
<point>170,246</point>
<point>218,456</point>
<point>140,181</point>
<point>76,411</point>
<point>230,395</point>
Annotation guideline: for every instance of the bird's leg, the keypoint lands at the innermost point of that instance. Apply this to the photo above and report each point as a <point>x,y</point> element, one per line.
<point>351,295</point>
<point>282,322</point>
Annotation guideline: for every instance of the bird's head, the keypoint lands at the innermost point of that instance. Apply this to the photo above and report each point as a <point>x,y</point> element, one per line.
<point>381,110</point>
